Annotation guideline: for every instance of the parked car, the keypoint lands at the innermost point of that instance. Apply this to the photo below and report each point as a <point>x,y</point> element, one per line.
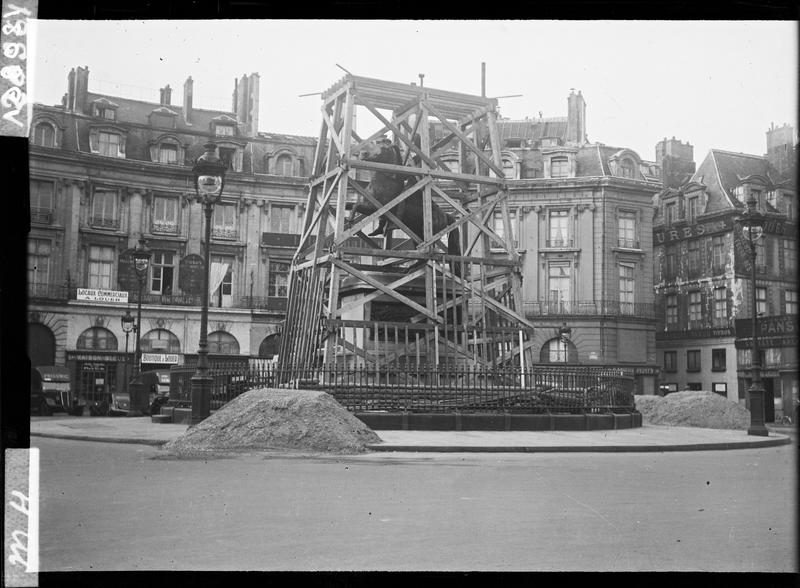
<point>153,384</point>
<point>51,391</point>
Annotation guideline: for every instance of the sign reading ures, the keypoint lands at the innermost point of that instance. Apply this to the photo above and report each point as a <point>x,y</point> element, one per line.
<point>102,295</point>
<point>721,225</point>
<point>190,274</point>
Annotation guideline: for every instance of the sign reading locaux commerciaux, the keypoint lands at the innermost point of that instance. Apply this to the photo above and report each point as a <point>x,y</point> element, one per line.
<point>102,295</point>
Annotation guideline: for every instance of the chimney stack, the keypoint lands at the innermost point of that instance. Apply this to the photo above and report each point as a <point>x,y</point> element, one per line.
<point>245,103</point>
<point>576,118</point>
<point>166,95</point>
<point>77,89</point>
<point>187,99</point>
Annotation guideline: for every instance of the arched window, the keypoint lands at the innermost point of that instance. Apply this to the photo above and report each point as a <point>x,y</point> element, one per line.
<point>627,168</point>
<point>97,338</point>
<point>222,343</point>
<point>558,350</point>
<point>160,341</point>
<point>41,345</point>
<point>508,169</point>
<point>44,135</point>
<point>284,166</point>
<point>269,346</point>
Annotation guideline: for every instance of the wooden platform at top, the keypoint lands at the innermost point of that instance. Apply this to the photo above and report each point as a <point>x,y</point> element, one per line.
<point>398,97</point>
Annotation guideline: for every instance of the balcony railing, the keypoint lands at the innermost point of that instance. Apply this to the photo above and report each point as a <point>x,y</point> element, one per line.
<point>250,302</point>
<point>165,227</point>
<point>628,243</point>
<point>558,243</point>
<point>589,308</point>
<point>228,234</point>
<point>42,216</point>
<point>104,223</point>
<point>48,291</point>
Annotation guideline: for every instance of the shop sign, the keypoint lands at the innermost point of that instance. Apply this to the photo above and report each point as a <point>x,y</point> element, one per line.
<point>698,230</point>
<point>709,333</point>
<point>647,371</point>
<point>93,367</point>
<point>103,295</point>
<point>160,358</point>
<point>768,326</point>
<point>191,274</point>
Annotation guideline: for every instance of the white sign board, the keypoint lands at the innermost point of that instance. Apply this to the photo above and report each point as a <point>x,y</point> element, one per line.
<point>159,358</point>
<point>102,295</point>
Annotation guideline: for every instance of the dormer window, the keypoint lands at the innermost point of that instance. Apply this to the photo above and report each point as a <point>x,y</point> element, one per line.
<point>44,135</point>
<point>107,141</point>
<point>105,109</point>
<point>228,155</point>
<point>284,165</point>
<point>168,150</point>
<point>109,144</point>
<point>559,167</point>
<point>627,169</point>
<point>559,162</point>
<point>168,153</point>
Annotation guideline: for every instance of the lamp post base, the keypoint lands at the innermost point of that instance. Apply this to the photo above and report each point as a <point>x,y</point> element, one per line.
<point>757,426</point>
<point>201,397</point>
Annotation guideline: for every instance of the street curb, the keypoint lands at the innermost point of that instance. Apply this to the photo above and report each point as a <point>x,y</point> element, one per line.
<point>579,448</point>
<point>155,442</point>
<point>387,447</point>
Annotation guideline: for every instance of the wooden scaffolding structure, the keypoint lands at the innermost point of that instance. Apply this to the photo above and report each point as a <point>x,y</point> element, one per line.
<point>463,309</point>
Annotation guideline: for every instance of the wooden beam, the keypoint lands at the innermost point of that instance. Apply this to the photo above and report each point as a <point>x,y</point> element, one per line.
<point>376,284</point>
<point>467,142</point>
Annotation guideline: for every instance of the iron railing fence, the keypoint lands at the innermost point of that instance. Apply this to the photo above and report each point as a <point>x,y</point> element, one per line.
<point>424,388</point>
<point>534,308</point>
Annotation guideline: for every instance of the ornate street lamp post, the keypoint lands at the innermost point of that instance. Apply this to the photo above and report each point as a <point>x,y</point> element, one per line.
<point>128,325</point>
<point>564,332</point>
<point>209,179</point>
<point>141,262</point>
<point>752,224</point>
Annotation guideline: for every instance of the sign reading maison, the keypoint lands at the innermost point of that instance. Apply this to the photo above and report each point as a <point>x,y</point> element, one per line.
<point>102,295</point>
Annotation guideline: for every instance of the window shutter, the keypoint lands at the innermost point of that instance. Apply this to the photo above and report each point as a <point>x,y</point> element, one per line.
<point>94,141</point>
<point>154,152</point>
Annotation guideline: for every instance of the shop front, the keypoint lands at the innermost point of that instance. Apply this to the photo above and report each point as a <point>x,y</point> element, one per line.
<point>96,375</point>
<point>777,341</point>
<point>159,361</point>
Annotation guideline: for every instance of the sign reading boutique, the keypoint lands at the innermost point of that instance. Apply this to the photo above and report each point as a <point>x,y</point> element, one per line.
<point>160,358</point>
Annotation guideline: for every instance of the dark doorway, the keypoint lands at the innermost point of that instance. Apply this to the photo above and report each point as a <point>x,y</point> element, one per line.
<point>41,345</point>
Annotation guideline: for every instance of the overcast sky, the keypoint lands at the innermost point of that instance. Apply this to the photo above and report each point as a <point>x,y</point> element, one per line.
<point>715,84</point>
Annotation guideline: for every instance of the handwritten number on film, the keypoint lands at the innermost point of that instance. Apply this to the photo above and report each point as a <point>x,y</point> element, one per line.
<point>18,546</point>
<point>14,97</point>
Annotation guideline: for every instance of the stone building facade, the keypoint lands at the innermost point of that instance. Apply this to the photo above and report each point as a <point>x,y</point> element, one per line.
<point>703,276</point>
<point>582,220</point>
<point>106,171</point>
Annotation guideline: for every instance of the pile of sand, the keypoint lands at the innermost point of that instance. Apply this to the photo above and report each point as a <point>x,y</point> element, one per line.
<point>272,418</point>
<point>693,409</point>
